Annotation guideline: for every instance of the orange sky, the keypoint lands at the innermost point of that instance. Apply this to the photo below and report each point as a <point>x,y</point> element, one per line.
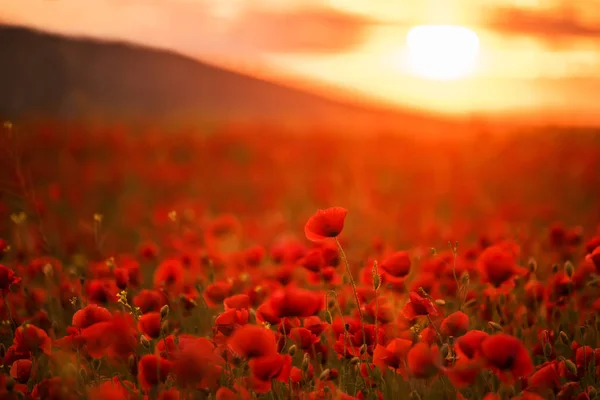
<point>535,54</point>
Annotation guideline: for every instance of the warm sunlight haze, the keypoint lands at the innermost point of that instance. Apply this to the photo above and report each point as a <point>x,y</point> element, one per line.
<point>442,52</point>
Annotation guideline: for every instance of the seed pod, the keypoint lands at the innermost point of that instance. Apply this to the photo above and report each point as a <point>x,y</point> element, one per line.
<point>414,395</point>
<point>547,350</point>
<point>571,367</point>
<point>569,269</point>
<point>495,326</point>
<point>363,348</point>
<point>376,276</point>
<point>532,265</point>
<point>325,374</point>
<point>144,342</point>
<point>470,303</point>
<point>10,384</point>
<point>164,311</point>
<point>292,350</point>
<point>305,362</point>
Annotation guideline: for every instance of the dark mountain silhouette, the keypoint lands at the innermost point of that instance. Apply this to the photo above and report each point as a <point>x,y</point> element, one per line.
<point>62,77</point>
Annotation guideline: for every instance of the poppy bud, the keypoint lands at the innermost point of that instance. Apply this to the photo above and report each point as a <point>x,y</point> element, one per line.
<point>292,350</point>
<point>376,277</point>
<point>569,269</point>
<point>593,282</point>
<point>414,395</point>
<point>495,326</point>
<point>465,280</point>
<point>469,303</point>
<point>354,360</point>
<point>325,374</point>
<point>564,337</point>
<point>571,367</point>
<point>532,265</point>
<point>440,302</point>
<point>363,348</point>
<point>2,350</point>
<point>347,327</point>
<point>305,362</point>
<point>328,317</point>
<point>83,374</point>
<point>10,384</point>
<point>592,392</point>
<point>547,350</point>
<point>555,268</point>
<point>164,311</point>
<point>144,342</point>
<point>445,350</point>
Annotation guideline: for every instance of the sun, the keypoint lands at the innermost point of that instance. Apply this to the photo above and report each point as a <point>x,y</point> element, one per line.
<point>442,52</point>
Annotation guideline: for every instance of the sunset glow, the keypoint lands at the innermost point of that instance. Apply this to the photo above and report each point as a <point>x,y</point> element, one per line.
<point>442,52</point>
<point>444,55</point>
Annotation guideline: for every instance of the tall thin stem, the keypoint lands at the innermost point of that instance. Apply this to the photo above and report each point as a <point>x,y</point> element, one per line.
<point>353,284</point>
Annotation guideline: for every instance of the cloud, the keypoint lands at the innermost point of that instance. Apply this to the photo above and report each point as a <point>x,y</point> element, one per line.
<point>312,30</point>
<point>554,27</point>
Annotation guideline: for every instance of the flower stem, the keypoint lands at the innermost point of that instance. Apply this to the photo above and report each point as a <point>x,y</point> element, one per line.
<point>353,284</point>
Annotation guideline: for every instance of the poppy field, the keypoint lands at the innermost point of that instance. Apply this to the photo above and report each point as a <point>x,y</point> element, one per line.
<point>251,262</point>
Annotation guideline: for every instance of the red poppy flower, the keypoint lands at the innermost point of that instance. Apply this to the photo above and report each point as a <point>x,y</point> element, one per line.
<point>21,370</point>
<point>241,393</point>
<point>89,315</point>
<point>418,306</point>
<point>327,223</point>
<point>464,372</point>
<point>507,356</point>
<point>153,370</point>
<point>252,341</point>
<point>455,324</point>
<point>423,360</point>
<point>149,300</point>
<point>29,338</point>
<point>7,277</point>
<point>238,301</point>
<point>397,265</point>
<point>197,365</point>
<point>497,265</point>
<point>296,302</point>
<point>265,369</point>
<point>468,345</point>
<point>149,324</point>
<point>393,355</point>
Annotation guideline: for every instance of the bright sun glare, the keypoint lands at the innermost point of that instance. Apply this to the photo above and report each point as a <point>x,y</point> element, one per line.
<point>442,52</point>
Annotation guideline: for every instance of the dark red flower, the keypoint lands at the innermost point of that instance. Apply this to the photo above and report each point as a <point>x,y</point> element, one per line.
<point>455,324</point>
<point>423,360</point>
<point>497,265</point>
<point>418,306</point>
<point>153,370</point>
<point>327,223</point>
<point>397,265</point>
<point>89,315</point>
<point>29,338</point>
<point>252,341</point>
<point>149,324</point>
<point>7,277</point>
<point>507,356</point>
<point>296,302</point>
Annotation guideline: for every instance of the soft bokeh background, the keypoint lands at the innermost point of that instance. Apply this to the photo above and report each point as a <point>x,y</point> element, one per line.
<point>537,57</point>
